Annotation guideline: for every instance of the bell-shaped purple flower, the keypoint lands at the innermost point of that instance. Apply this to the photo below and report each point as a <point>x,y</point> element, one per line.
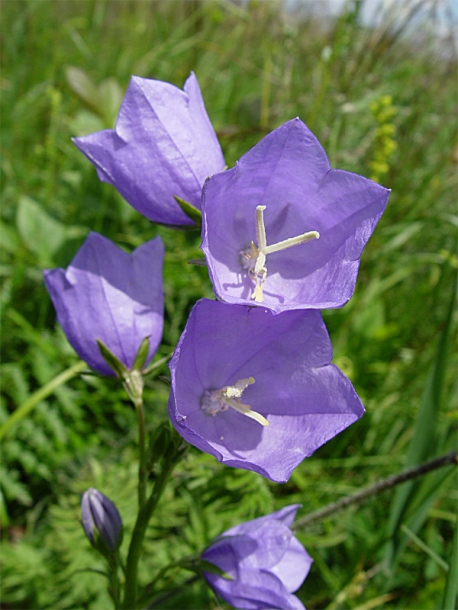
<point>101,521</point>
<point>265,563</point>
<point>108,295</point>
<point>256,390</point>
<point>283,230</point>
<point>163,146</point>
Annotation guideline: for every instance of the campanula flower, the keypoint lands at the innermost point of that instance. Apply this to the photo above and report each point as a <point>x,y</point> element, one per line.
<point>257,390</point>
<point>263,561</point>
<point>108,295</point>
<point>163,146</point>
<point>101,521</point>
<point>283,230</point>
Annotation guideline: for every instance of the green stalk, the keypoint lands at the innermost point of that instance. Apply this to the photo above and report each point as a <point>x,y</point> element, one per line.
<point>142,474</point>
<point>115,589</point>
<point>133,384</point>
<point>135,548</point>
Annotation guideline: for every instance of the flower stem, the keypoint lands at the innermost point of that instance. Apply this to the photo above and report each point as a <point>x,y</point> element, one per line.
<point>144,515</point>
<point>133,384</point>
<point>142,474</point>
<point>114,581</point>
<point>446,460</point>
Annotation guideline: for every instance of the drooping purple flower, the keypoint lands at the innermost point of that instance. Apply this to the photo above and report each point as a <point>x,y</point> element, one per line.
<point>264,561</point>
<point>112,296</point>
<point>163,146</point>
<point>256,390</point>
<point>283,230</point>
<point>101,521</point>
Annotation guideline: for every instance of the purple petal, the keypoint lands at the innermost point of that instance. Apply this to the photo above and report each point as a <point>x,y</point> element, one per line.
<point>163,145</point>
<point>294,566</point>
<point>112,296</point>
<point>285,515</point>
<point>288,172</point>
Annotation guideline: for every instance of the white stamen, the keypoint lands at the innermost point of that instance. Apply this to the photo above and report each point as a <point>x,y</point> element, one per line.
<point>229,396</point>
<point>254,258</point>
<point>260,227</point>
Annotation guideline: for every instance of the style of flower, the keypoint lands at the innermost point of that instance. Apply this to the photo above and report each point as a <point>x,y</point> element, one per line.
<point>101,521</point>
<point>263,563</point>
<point>256,390</point>
<point>108,295</point>
<point>163,146</point>
<point>283,230</point>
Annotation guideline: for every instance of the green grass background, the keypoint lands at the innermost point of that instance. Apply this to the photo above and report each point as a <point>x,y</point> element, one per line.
<point>383,104</point>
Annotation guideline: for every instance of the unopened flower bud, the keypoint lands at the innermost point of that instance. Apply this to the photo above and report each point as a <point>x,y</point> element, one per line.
<point>101,521</point>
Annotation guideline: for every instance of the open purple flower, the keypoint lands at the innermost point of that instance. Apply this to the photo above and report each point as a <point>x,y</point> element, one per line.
<point>112,296</point>
<point>163,146</point>
<point>264,561</point>
<point>101,521</point>
<point>283,230</point>
<point>257,391</point>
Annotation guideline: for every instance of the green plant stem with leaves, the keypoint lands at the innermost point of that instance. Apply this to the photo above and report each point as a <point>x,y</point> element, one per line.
<point>143,518</point>
<point>133,384</point>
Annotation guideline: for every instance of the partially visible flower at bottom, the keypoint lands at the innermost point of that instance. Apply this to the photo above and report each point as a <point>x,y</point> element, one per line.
<point>264,561</point>
<point>101,521</point>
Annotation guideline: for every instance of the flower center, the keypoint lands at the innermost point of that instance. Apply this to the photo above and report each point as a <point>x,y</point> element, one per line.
<point>217,401</point>
<point>254,257</point>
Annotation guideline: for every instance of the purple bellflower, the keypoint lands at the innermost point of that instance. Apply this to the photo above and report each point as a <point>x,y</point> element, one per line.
<point>101,521</point>
<point>163,146</point>
<point>265,563</point>
<point>112,296</point>
<point>257,391</point>
<point>284,230</point>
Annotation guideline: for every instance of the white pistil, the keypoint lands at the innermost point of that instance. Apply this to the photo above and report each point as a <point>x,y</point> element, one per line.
<point>254,258</point>
<point>229,396</point>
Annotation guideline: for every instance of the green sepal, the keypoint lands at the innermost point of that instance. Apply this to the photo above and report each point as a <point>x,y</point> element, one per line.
<point>177,448</point>
<point>165,444</point>
<point>199,565</point>
<point>100,545</point>
<point>159,442</point>
<point>142,355</point>
<point>191,212</point>
<point>113,362</point>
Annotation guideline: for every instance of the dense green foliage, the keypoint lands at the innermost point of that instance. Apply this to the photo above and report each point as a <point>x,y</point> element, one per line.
<point>382,104</point>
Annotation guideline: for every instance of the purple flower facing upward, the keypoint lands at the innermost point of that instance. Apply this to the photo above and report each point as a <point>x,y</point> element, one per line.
<point>101,521</point>
<point>257,391</point>
<point>163,146</point>
<point>264,561</point>
<point>112,296</point>
<point>283,230</point>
